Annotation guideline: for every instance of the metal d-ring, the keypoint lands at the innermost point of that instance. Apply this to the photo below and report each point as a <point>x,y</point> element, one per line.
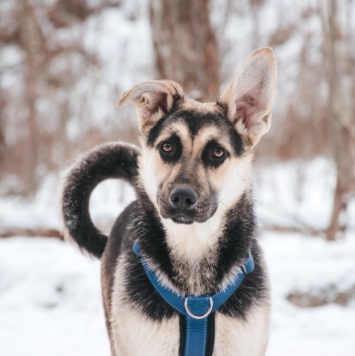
<point>198,317</point>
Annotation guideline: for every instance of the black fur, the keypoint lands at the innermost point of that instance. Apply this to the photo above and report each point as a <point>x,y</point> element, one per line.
<point>175,153</point>
<point>238,237</point>
<point>208,154</point>
<point>118,160</point>
<point>111,160</point>
<point>126,289</point>
<point>196,121</point>
<point>140,221</point>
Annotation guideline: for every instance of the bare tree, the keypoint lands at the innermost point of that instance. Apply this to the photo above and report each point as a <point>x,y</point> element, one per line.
<point>339,112</point>
<point>185,45</point>
<point>38,108</point>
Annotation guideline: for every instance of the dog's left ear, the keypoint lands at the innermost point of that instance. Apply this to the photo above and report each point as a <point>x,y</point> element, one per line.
<point>249,96</point>
<point>152,99</point>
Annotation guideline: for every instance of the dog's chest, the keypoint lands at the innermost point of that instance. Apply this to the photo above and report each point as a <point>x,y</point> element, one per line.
<point>134,334</point>
<point>248,337</point>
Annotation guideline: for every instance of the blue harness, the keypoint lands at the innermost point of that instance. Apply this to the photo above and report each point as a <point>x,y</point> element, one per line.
<point>195,309</point>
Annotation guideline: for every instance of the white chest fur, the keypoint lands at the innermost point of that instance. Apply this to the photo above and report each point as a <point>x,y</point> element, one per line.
<point>134,334</point>
<point>242,337</point>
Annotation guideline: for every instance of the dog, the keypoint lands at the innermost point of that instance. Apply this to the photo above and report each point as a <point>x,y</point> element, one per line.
<point>192,230</point>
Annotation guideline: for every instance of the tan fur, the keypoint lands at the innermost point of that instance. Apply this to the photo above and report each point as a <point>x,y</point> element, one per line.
<point>192,243</point>
<point>134,334</point>
<point>148,99</point>
<point>248,100</point>
<point>191,104</point>
<point>233,335</point>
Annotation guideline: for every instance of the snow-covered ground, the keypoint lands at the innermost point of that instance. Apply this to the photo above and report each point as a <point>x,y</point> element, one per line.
<point>305,264</point>
<point>50,296</point>
<point>50,301</point>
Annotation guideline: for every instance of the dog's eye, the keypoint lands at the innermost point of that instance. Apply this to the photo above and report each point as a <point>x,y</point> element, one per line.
<point>167,146</point>
<point>218,152</point>
<point>214,154</point>
<point>170,150</point>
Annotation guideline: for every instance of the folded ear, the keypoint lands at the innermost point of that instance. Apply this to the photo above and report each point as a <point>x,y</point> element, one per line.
<point>152,99</point>
<point>249,96</point>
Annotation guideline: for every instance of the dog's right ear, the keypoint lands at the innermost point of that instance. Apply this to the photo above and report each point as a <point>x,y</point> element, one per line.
<point>153,100</point>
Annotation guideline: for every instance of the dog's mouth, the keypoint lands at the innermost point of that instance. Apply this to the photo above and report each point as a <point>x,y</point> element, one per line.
<point>181,219</point>
<point>185,212</point>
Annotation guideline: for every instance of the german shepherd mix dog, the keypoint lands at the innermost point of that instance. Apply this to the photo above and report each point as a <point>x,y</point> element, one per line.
<point>192,225</point>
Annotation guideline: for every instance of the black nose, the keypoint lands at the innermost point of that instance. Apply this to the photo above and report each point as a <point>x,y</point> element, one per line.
<point>183,198</point>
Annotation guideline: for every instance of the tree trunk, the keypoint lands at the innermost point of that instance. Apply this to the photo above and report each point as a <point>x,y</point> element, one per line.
<point>185,46</point>
<point>32,44</point>
<point>339,112</point>
<point>2,136</point>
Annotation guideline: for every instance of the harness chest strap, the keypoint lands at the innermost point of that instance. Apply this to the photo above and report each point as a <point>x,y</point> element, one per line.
<point>195,309</point>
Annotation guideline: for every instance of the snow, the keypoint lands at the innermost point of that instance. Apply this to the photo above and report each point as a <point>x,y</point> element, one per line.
<point>50,300</point>
<point>39,212</point>
<point>286,193</point>
<point>50,297</point>
<point>305,264</point>
<point>50,294</point>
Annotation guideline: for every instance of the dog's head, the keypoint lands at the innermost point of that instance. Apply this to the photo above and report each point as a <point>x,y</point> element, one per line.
<point>196,156</point>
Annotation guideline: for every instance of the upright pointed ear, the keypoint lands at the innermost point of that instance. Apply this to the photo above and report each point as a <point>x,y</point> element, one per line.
<point>152,99</point>
<point>249,96</point>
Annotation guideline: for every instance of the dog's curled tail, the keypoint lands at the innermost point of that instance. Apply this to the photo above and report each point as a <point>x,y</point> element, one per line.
<point>109,160</point>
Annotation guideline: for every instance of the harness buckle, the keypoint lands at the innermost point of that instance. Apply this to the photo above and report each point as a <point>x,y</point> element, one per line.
<point>198,317</point>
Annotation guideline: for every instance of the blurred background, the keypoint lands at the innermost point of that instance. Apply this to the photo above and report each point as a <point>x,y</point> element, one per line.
<point>63,66</point>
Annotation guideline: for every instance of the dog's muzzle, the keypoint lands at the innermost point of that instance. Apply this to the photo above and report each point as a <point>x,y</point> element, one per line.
<point>182,202</point>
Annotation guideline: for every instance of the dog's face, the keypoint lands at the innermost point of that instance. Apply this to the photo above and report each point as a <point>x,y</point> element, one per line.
<point>188,160</point>
<point>196,157</point>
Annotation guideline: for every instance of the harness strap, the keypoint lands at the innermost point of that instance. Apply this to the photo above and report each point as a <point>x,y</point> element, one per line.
<point>196,309</point>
